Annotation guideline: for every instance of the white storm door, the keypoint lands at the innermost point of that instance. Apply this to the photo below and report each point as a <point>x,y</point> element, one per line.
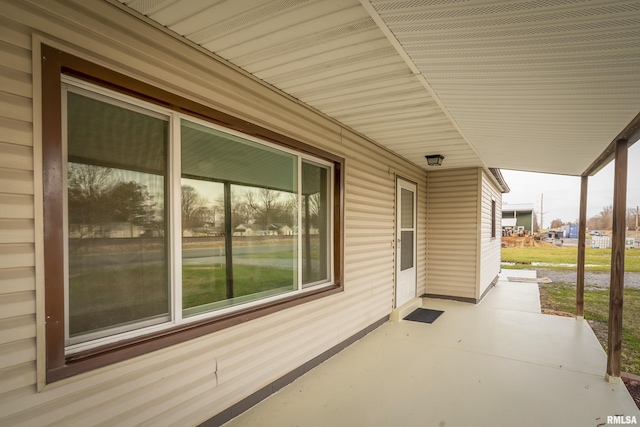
<point>406,241</point>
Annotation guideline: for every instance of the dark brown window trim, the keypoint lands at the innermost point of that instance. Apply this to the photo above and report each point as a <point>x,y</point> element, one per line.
<point>55,63</point>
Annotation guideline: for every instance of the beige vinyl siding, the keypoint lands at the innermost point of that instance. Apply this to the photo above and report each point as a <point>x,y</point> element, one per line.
<point>452,210</point>
<point>17,256</point>
<point>191,382</point>
<point>489,247</point>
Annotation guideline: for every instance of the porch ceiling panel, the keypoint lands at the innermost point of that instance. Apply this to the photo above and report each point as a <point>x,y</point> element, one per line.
<point>538,85</point>
<point>329,54</point>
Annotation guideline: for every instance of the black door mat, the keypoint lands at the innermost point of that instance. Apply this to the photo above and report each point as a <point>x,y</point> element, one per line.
<point>424,315</point>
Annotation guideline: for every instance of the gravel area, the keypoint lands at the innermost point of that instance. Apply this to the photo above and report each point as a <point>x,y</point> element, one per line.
<point>600,280</point>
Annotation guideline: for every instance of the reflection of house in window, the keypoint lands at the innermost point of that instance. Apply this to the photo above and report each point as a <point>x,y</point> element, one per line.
<point>285,230</point>
<point>242,230</point>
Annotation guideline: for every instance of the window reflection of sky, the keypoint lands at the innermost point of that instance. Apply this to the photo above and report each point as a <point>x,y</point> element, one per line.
<point>212,192</point>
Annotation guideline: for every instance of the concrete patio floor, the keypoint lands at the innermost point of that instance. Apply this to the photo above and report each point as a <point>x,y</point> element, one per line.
<point>498,363</point>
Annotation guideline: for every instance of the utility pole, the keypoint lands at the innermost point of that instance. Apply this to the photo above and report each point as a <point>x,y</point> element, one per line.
<point>637,215</point>
<point>541,211</point>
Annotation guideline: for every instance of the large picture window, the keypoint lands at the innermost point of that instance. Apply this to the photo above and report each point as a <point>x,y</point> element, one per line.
<point>164,225</point>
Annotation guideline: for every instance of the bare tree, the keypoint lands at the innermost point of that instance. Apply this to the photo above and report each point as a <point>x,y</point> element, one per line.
<point>270,203</point>
<point>602,221</point>
<point>241,212</point>
<point>631,219</point>
<point>290,209</point>
<point>205,215</point>
<point>192,204</point>
<point>606,215</point>
<point>89,181</point>
<point>556,223</point>
<point>88,188</point>
<point>265,205</point>
<point>252,203</point>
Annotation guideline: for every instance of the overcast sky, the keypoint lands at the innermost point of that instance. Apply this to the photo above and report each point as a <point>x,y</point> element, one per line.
<point>562,193</point>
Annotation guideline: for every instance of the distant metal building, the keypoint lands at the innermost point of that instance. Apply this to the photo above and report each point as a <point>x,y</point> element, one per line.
<point>522,213</point>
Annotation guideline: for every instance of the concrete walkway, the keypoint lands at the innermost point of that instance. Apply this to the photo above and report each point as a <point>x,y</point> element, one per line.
<point>500,363</point>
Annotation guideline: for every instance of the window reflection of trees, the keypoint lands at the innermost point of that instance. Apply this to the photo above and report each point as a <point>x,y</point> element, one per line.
<point>100,200</point>
<point>199,215</point>
<point>265,211</point>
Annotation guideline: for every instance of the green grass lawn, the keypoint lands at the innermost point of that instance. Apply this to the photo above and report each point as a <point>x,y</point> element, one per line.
<point>596,259</point>
<point>562,297</point>
<point>205,284</point>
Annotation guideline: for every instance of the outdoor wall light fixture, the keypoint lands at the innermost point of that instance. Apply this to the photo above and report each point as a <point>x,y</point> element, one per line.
<point>434,159</point>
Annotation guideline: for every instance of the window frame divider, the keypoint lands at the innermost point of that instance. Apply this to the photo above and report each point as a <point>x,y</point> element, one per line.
<point>175,222</point>
<point>299,224</point>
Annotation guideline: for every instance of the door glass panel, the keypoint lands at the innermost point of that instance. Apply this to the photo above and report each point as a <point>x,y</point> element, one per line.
<point>406,202</point>
<point>406,247</point>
